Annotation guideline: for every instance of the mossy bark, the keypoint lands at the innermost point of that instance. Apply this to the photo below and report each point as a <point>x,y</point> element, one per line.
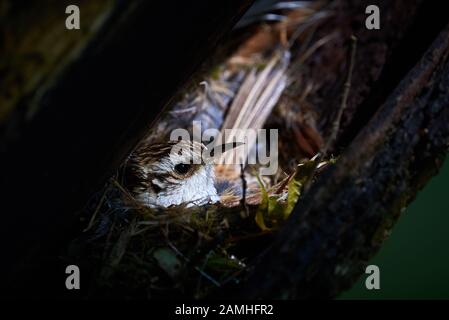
<point>349,211</point>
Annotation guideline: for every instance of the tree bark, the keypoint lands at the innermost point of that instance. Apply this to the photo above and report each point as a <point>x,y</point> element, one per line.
<point>348,212</point>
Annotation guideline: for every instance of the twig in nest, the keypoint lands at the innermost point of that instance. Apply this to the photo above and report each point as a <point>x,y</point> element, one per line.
<point>344,101</point>
<point>107,244</point>
<point>198,285</point>
<point>204,274</point>
<point>244,186</point>
<point>97,209</point>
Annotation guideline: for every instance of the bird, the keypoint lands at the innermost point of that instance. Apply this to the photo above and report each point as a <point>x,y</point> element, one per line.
<point>249,85</point>
<point>159,177</point>
<point>173,173</point>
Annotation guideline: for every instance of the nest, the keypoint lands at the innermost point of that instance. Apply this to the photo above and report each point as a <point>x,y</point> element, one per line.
<point>138,252</point>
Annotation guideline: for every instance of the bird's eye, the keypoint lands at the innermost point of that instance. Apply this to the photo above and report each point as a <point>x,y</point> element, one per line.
<point>182,168</point>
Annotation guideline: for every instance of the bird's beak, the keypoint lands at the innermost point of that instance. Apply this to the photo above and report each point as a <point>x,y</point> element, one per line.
<point>222,148</point>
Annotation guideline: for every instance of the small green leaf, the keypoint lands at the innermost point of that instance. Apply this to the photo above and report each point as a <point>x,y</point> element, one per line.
<point>263,208</point>
<point>294,191</point>
<point>168,261</point>
<point>272,210</point>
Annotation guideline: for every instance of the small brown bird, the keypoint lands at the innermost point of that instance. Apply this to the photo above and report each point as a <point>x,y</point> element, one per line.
<point>241,96</point>
<point>158,176</point>
<point>174,173</point>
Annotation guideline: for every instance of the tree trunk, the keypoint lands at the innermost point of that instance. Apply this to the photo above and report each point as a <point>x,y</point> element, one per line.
<point>75,102</point>
<point>344,218</point>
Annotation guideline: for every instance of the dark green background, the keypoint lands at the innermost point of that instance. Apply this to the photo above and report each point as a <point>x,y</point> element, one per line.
<point>414,261</point>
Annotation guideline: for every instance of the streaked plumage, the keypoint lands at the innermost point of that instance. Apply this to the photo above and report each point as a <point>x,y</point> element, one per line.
<point>171,173</point>
<point>241,94</point>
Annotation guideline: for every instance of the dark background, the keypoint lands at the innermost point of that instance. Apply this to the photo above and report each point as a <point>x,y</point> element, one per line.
<point>414,261</point>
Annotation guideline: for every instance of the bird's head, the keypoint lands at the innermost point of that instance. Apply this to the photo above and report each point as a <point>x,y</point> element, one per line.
<point>171,173</point>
